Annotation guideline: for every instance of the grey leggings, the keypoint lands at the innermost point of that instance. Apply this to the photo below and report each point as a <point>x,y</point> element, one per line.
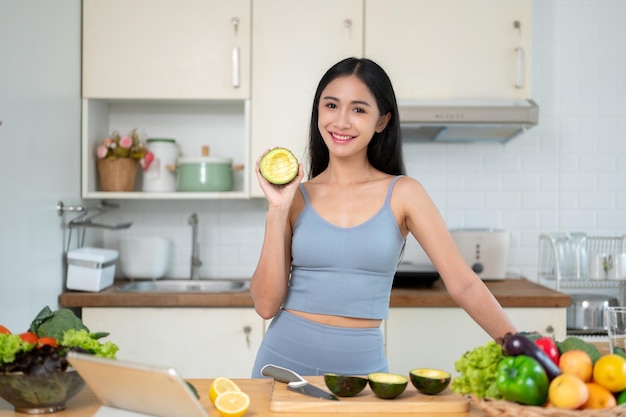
<point>310,348</point>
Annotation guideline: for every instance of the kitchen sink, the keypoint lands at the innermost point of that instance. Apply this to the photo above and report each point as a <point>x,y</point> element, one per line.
<point>185,286</point>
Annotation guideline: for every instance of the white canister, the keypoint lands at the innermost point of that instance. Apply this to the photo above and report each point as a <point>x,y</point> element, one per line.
<point>619,266</point>
<point>158,178</point>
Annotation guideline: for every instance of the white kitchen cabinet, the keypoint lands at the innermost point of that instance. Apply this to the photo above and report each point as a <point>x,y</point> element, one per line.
<point>452,49</point>
<point>438,337</point>
<point>166,49</point>
<point>294,44</point>
<point>198,342</point>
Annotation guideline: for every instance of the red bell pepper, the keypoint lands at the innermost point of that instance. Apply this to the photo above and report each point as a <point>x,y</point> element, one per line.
<point>548,345</point>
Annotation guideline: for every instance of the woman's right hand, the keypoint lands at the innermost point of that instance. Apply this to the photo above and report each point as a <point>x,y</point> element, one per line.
<point>279,195</point>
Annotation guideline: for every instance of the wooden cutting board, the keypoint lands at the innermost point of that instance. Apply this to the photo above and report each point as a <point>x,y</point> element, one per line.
<point>410,401</point>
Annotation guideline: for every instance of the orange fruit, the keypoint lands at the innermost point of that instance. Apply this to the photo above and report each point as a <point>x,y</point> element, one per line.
<point>599,397</point>
<point>567,391</point>
<point>221,386</point>
<point>577,363</point>
<point>610,372</point>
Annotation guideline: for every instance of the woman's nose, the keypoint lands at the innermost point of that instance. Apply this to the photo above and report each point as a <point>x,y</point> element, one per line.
<point>343,119</point>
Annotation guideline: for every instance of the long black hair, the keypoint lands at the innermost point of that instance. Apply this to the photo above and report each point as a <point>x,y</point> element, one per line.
<point>384,151</point>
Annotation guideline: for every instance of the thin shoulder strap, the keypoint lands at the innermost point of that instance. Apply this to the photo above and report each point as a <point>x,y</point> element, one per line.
<point>304,194</point>
<point>393,182</point>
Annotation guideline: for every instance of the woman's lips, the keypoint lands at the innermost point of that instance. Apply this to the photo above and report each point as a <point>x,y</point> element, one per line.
<point>341,138</point>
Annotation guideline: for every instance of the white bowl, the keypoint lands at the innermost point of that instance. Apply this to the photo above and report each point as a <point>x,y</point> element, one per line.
<point>145,257</point>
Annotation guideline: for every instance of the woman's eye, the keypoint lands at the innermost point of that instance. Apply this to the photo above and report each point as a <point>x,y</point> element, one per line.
<point>331,105</point>
<point>359,110</point>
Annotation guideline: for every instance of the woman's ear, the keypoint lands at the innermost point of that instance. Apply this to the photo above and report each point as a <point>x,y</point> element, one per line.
<point>383,121</point>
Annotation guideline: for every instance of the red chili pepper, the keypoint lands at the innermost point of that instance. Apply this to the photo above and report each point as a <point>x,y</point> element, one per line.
<point>548,345</point>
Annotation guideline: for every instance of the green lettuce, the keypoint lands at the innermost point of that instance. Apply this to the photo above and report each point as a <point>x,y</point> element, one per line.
<point>89,342</point>
<point>10,345</point>
<point>478,369</point>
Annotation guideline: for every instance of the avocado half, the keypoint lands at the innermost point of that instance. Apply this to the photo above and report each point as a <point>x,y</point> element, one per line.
<point>429,381</point>
<point>279,166</point>
<point>386,385</point>
<point>345,385</point>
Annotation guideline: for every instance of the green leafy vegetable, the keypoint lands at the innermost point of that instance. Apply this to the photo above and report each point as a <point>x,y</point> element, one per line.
<point>10,345</point>
<point>619,351</point>
<point>89,342</point>
<point>478,369</point>
<point>576,343</point>
<point>54,324</point>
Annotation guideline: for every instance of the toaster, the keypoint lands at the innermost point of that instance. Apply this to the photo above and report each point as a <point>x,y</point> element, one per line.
<point>484,250</point>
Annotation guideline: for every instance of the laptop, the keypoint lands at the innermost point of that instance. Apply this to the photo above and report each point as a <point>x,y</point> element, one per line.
<point>129,389</point>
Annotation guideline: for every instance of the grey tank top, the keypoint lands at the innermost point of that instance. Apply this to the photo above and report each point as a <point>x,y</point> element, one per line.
<point>344,271</point>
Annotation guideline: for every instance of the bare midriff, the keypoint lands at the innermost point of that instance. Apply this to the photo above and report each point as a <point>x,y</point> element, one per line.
<point>337,321</point>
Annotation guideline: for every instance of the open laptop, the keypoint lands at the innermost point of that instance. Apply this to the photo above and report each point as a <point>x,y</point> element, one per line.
<point>131,389</point>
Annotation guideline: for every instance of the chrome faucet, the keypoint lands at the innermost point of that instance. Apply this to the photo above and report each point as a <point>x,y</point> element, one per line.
<point>195,260</point>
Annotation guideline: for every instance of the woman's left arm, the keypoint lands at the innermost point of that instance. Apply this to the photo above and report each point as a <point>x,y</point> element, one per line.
<point>418,215</point>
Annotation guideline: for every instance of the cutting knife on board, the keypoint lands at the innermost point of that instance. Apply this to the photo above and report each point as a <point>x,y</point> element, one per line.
<point>295,382</point>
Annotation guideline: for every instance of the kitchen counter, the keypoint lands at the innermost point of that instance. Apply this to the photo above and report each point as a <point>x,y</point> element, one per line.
<point>85,404</point>
<point>509,292</point>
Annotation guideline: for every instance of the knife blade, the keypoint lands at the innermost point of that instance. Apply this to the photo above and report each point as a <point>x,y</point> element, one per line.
<point>295,382</point>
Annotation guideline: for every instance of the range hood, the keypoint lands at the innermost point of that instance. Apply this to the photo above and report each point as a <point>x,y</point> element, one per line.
<point>466,120</point>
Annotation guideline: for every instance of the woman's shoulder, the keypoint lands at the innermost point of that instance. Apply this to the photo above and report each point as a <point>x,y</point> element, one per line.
<point>406,184</point>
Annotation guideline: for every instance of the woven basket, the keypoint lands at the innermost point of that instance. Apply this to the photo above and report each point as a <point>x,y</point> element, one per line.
<point>117,174</point>
<point>495,408</point>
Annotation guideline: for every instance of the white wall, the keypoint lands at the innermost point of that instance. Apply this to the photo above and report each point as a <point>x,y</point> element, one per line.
<point>569,173</point>
<point>39,150</point>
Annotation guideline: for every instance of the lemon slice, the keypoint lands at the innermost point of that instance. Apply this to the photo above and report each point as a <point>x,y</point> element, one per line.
<point>221,386</point>
<point>233,404</point>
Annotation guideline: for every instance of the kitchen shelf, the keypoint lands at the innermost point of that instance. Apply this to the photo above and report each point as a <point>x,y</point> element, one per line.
<point>223,125</point>
<point>140,195</point>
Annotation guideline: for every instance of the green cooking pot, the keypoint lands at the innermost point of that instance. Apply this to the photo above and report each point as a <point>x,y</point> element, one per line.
<point>204,173</point>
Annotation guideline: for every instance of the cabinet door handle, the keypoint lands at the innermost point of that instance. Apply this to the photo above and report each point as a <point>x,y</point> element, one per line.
<point>235,59</point>
<point>519,51</point>
<point>247,330</point>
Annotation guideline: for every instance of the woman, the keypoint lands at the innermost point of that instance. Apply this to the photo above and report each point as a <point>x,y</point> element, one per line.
<point>332,243</point>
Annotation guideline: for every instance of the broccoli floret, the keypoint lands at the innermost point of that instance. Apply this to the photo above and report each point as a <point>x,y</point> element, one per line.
<point>619,351</point>
<point>576,343</point>
<point>54,324</point>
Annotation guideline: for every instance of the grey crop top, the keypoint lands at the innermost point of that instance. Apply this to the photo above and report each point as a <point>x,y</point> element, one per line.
<point>344,271</point>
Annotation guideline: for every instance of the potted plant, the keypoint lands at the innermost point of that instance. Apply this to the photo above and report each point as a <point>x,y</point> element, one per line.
<point>118,157</point>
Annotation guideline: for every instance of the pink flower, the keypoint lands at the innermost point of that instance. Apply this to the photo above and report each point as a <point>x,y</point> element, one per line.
<point>147,160</point>
<point>102,152</point>
<point>126,142</point>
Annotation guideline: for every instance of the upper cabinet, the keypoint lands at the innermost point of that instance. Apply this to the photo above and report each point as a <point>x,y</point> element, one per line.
<point>452,49</point>
<point>240,75</point>
<point>166,49</point>
<point>294,44</point>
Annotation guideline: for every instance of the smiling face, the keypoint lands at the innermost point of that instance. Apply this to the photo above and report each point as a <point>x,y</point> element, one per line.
<point>349,116</point>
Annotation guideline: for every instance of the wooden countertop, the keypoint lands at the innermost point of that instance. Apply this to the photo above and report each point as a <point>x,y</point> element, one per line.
<point>85,404</point>
<point>509,292</point>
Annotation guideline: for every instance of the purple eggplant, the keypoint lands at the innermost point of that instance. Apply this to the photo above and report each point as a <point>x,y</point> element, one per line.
<point>518,344</point>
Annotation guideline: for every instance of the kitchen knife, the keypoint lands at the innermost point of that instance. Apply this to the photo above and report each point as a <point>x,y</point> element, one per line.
<point>295,382</point>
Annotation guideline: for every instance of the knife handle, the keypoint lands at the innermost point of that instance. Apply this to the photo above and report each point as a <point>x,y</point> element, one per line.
<point>281,374</point>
